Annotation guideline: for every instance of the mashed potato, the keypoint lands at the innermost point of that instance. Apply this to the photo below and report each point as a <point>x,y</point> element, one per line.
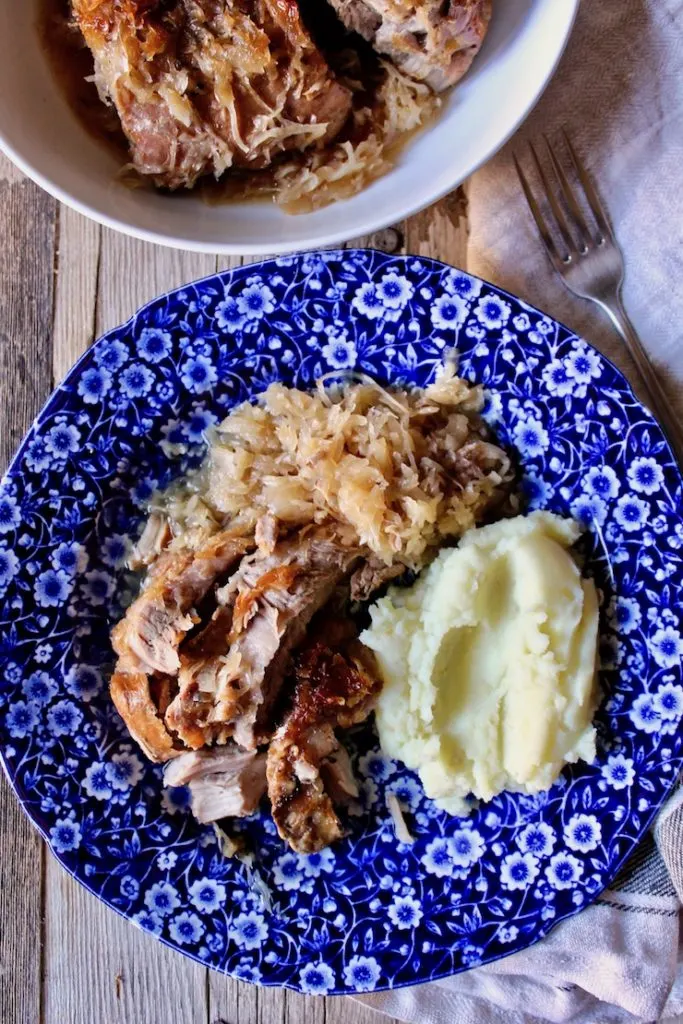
<point>489,663</point>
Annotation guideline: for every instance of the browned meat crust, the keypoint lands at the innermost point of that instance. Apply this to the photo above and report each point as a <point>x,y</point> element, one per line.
<point>305,757</point>
<point>204,85</point>
<point>131,695</point>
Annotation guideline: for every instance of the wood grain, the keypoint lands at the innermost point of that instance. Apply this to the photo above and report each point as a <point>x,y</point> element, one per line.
<point>349,1011</point>
<point>97,968</point>
<point>133,272</point>
<point>27,236</point>
<point>441,231</point>
<point>77,265</point>
<point>101,969</point>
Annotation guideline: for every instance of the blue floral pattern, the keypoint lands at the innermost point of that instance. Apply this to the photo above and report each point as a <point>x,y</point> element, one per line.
<point>370,912</point>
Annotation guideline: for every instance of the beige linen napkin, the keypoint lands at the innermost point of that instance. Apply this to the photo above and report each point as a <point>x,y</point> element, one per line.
<point>619,93</point>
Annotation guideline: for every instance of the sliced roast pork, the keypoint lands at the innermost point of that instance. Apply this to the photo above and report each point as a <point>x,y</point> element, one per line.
<point>268,605</point>
<point>156,623</point>
<point>308,769</point>
<point>189,713</point>
<point>130,692</point>
<point>432,41</point>
<point>224,782</point>
<point>147,638</point>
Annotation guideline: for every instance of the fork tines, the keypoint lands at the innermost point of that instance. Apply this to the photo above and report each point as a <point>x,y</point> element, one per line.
<point>569,222</point>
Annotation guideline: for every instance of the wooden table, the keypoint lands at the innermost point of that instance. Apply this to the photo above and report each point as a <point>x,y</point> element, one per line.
<point>64,957</point>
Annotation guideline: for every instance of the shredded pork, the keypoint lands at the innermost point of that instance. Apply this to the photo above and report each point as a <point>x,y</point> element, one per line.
<point>224,782</point>
<point>432,41</point>
<point>241,92</point>
<point>236,667</point>
<point>379,126</point>
<point>308,769</point>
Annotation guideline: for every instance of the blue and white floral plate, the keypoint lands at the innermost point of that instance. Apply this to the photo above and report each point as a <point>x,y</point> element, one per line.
<point>369,913</point>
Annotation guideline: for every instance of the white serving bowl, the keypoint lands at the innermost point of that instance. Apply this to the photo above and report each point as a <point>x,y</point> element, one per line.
<point>39,132</point>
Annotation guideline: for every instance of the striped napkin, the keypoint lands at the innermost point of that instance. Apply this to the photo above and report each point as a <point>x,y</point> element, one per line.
<point>616,963</point>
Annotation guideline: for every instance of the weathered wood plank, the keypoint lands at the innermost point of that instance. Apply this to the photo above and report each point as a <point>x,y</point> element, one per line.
<point>231,1002</point>
<point>27,242</point>
<point>77,264</point>
<point>27,230</point>
<point>301,1009</point>
<point>101,968</point>
<point>390,240</point>
<point>133,272</point>
<point>441,231</point>
<point>229,262</point>
<point>271,1008</point>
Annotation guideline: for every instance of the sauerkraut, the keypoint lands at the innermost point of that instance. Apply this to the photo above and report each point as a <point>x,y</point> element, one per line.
<point>379,130</point>
<point>396,472</point>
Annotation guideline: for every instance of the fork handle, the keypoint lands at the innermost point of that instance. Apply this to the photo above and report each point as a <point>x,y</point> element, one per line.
<point>661,406</point>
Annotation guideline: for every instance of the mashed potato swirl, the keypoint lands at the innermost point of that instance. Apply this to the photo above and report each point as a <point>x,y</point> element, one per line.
<point>489,663</point>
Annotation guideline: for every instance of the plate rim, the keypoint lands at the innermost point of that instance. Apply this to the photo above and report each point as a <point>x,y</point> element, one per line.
<point>221,276</point>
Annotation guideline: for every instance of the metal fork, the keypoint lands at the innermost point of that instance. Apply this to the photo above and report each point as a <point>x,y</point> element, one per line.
<point>591,264</point>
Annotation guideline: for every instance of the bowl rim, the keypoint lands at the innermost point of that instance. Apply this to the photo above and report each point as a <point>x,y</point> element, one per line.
<point>404,209</point>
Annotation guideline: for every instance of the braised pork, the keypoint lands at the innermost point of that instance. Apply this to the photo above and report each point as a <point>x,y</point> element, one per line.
<point>432,41</point>
<point>153,540</point>
<point>156,623</point>
<point>233,671</point>
<point>266,533</point>
<point>204,85</point>
<point>147,639</point>
<point>371,576</point>
<point>224,782</point>
<point>130,692</point>
<point>308,769</point>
